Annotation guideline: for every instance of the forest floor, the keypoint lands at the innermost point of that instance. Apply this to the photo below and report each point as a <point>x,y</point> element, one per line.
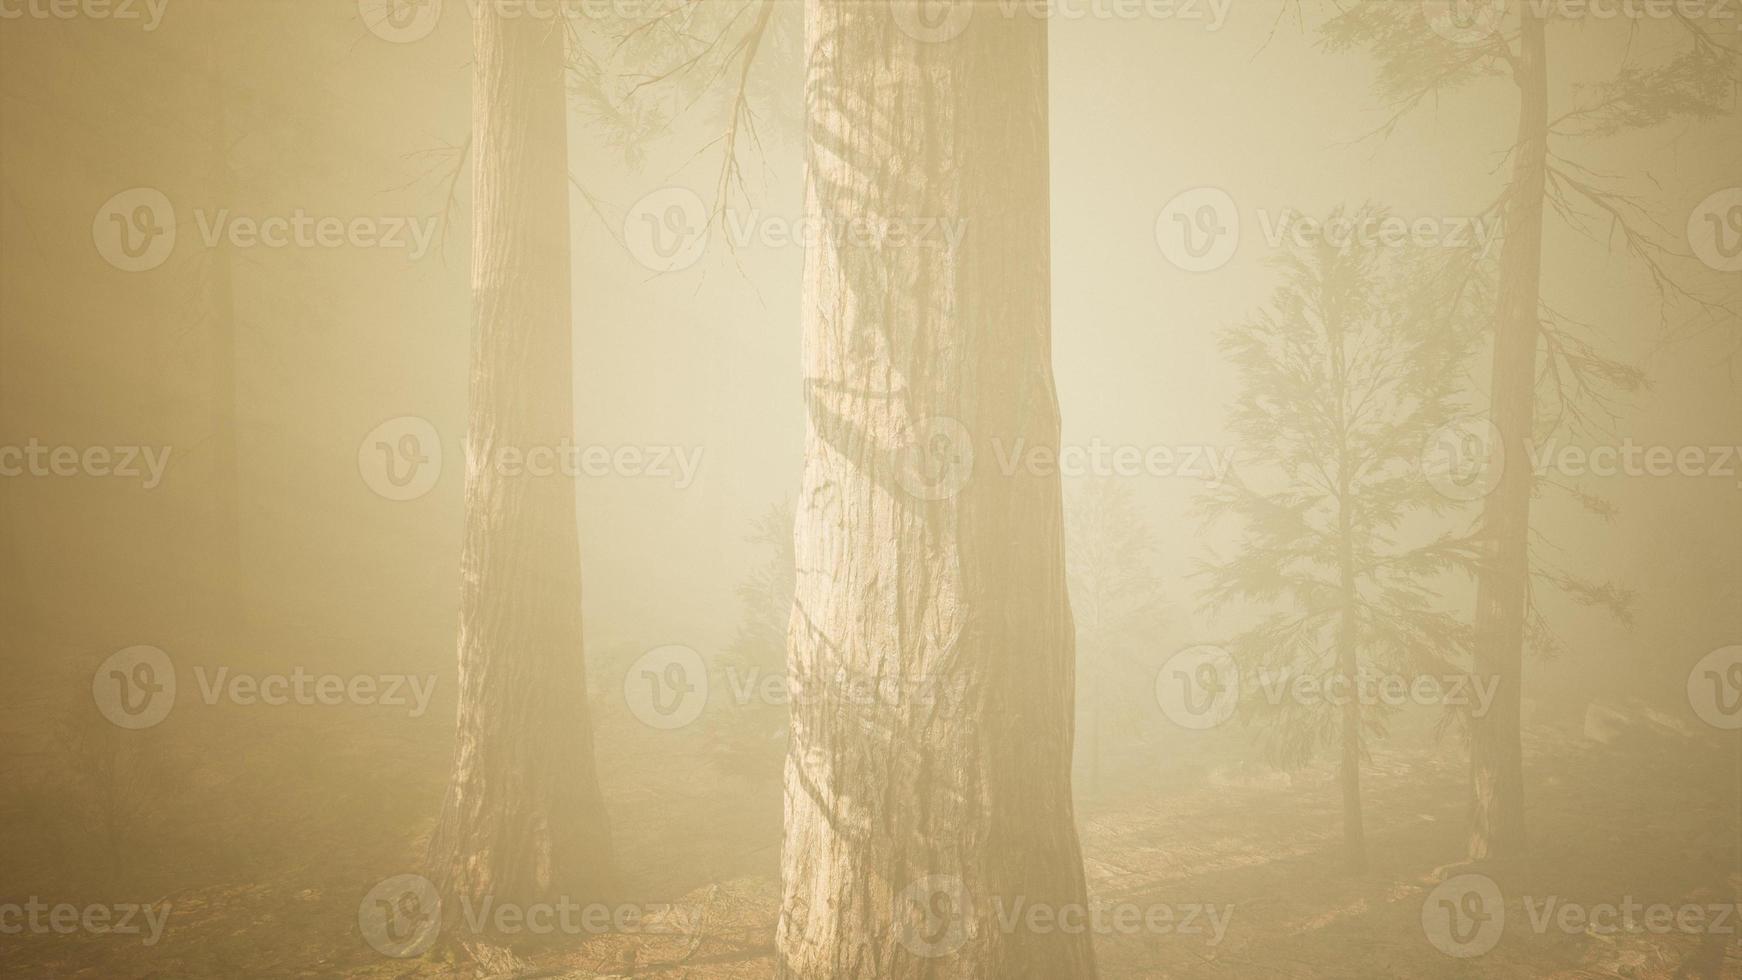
<point>1647,821</point>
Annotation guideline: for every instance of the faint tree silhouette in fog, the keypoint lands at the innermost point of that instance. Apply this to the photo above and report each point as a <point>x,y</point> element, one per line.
<point>1548,373</point>
<point>750,739</point>
<point>523,820</point>
<point>1117,604</point>
<point>1358,359</point>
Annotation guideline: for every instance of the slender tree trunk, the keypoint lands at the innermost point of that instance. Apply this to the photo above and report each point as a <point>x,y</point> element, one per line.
<point>523,820</point>
<point>1502,597</point>
<point>916,814</point>
<point>1349,665</point>
<point>1349,623</point>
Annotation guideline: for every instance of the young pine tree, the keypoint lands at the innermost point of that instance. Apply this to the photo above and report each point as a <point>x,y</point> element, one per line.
<point>1547,373</point>
<point>1358,359</point>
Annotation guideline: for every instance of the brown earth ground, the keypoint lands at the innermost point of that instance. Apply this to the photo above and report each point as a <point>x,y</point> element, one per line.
<point>1652,818</point>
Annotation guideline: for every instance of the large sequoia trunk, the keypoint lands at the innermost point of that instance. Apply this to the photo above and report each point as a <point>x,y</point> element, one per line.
<point>931,644</point>
<point>1503,590</point>
<point>523,820</point>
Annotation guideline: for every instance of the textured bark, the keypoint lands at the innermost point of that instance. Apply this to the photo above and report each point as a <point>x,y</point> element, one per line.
<point>523,820</point>
<point>899,589</point>
<point>1497,828</point>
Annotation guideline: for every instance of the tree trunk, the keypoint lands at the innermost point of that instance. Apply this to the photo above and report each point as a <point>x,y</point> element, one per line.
<point>523,820</point>
<point>1348,626</point>
<point>1349,665</point>
<point>931,643</point>
<point>1503,588</point>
